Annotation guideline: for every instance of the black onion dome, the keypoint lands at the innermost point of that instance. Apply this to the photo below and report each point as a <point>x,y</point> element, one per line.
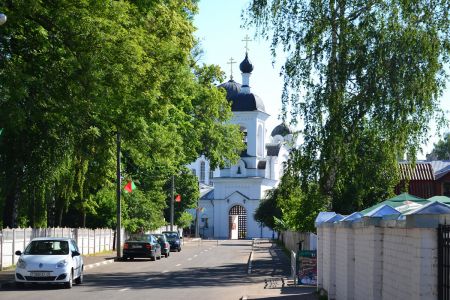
<point>247,102</point>
<point>232,87</point>
<point>246,66</point>
<point>282,130</point>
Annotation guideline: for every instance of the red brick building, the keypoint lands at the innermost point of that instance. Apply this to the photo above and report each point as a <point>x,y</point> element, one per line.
<point>426,179</point>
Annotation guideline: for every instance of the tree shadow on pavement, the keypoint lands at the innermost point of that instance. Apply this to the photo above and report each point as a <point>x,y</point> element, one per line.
<point>226,275</point>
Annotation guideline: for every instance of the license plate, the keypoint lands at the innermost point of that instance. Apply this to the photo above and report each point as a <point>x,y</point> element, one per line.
<point>40,274</point>
<point>136,246</point>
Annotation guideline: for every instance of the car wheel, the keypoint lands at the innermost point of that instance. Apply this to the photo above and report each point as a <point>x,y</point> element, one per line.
<point>179,249</point>
<point>166,255</point>
<point>153,258</point>
<point>69,284</point>
<point>79,279</point>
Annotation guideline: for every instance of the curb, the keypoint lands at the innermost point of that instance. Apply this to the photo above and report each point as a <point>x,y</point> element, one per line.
<point>250,259</point>
<point>90,266</point>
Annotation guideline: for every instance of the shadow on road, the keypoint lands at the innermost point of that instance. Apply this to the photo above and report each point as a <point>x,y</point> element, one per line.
<point>227,275</point>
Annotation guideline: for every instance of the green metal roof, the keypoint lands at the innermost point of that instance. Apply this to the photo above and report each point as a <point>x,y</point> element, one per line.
<point>442,199</point>
<point>406,201</point>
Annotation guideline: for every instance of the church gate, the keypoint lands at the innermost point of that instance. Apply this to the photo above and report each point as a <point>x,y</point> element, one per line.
<point>237,223</point>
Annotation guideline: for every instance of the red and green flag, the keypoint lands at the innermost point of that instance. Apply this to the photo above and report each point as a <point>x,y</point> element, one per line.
<point>178,198</point>
<point>130,186</point>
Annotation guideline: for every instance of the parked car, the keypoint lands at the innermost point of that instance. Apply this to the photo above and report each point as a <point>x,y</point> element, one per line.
<point>174,239</point>
<point>164,243</point>
<point>50,260</point>
<point>142,246</point>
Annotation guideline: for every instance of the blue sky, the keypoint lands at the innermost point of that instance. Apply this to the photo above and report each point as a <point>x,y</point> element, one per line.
<point>219,30</point>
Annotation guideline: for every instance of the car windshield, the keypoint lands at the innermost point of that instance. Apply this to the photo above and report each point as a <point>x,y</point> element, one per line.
<point>47,247</point>
<point>140,237</point>
<point>171,235</point>
<point>160,237</point>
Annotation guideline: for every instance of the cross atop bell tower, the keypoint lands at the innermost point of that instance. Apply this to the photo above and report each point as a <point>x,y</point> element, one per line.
<point>246,40</point>
<point>231,62</point>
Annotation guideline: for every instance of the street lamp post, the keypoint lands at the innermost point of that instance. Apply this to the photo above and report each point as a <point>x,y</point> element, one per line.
<point>172,203</point>
<point>119,208</point>
<point>3,18</point>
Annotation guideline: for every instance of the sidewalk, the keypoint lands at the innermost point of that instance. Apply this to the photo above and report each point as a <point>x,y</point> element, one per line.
<point>269,267</point>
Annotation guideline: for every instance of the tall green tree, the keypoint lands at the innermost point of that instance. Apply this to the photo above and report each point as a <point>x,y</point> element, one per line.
<point>291,205</point>
<point>363,78</point>
<point>72,74</point>
<point>441,149</point>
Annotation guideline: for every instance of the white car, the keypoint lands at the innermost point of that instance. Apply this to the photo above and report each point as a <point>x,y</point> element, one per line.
<point>50,260</point>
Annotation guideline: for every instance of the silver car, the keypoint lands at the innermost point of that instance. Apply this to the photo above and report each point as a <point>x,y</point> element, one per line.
<point>50,260</point>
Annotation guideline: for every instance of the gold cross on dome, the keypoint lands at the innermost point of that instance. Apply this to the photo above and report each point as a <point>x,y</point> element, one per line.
<point>246,40</point>
<point>231,62</point>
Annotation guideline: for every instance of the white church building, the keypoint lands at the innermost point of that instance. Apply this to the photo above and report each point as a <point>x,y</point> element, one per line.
<point>230,196</point>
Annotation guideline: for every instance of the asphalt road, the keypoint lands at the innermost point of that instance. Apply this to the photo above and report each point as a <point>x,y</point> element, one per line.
<point>199,271</point>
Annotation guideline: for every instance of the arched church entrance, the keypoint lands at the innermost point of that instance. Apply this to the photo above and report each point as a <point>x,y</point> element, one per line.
<point>237,222</point>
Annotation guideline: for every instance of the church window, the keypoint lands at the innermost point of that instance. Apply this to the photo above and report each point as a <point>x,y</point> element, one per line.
<point>205,221</point>
<point>244,135</point>
<point>193,172</point>
<point>202,172</point>
<point>260,141</point>
<point>211,175</point>
<point>239,170</point>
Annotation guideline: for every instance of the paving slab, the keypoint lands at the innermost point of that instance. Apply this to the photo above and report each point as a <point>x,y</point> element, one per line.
<point>270,269</point>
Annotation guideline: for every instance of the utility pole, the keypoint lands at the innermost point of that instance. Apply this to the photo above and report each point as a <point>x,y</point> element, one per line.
<point>119,208</point>
<point>172,199</point>
<point>197,223</point>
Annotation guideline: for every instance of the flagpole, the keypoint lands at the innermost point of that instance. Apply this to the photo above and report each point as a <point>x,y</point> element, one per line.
<point>172,203</point>
<point>119,209</point>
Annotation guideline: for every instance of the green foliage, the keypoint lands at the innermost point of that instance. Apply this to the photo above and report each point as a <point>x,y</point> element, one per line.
<point>441,150</point>
<point>143,212</point>
<point>186,185</point>
<point>291,206</point>
<point>363,78</point>
<point>268,210</point>
<point>72,74</point>
<point>184,220</point>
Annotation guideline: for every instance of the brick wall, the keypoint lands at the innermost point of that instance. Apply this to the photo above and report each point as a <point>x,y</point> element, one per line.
<point>376,259</point>
<point>345,262</point>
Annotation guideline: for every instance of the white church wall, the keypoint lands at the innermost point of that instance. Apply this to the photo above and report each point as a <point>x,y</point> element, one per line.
<point>196,165</point>
<point>224,187</point>
<point>255,229</point>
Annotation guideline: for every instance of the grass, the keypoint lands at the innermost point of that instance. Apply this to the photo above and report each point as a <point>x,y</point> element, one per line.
<point>101,253</point>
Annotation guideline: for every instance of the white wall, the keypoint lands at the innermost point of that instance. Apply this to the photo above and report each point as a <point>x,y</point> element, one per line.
<point>345,265</point>
<point>376,259</point>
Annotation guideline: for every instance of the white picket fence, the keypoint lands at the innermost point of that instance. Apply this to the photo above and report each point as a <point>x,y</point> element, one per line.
<point>89,241</point>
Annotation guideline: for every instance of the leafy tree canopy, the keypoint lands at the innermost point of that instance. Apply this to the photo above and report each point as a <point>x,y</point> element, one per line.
<point>72,74</point>
<point>363,78</point>
<point>441,150</point>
